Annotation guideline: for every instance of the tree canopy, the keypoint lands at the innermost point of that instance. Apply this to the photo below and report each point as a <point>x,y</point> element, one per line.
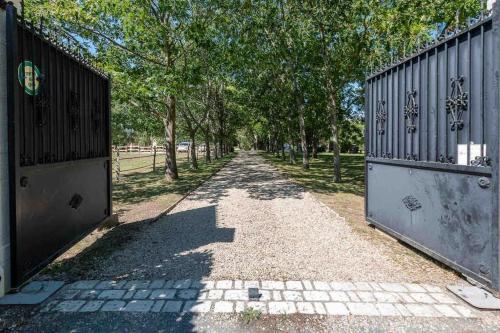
<point>257,73</point>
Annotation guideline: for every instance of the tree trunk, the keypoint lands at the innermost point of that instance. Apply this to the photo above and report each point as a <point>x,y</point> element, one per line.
<point>216,151</point>
<point>192,148</point>
<point>292,155</point>
<point>208,158</point>
<point>169,126</point>
<point>303,140</point>
<point>221,148</point>
<point>314,148</point>
<point>333,112</point>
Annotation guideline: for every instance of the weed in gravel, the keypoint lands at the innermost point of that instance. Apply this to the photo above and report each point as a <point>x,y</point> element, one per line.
<point>250,314</point>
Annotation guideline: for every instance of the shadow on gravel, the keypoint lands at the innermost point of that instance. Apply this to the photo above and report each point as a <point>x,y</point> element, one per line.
<point>165,253</point>
<point>256,177</point>
<point>164,250</point>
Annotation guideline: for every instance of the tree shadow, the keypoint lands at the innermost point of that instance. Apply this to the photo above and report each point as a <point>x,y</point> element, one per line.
<point>145,249</point>
<point>259,180</point>
<point>167,250</point>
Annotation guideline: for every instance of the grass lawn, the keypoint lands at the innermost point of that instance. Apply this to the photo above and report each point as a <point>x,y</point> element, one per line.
<point>346,197</point>
<point>319,178</point>
<point>143,185</point>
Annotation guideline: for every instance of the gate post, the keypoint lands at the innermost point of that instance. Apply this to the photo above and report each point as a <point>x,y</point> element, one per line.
<point>154,159</point>
<point>495,227</point>
<point>9,159</point>
<point>4,158</point>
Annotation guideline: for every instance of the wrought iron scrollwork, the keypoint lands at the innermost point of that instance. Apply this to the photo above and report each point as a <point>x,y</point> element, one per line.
<point>411,203</point>
<point>457,103</point>
<point>412,157</point>
<point>446,159</point>
<point>387,155</point>
<point>381,117</point>
<point>411,111</point>
<point>481,161</point>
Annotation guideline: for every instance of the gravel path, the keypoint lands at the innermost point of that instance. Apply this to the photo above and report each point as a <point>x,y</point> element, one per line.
<point>250,223</point>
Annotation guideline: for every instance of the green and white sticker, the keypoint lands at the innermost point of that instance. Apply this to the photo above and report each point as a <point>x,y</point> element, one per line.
<point>29,77</point>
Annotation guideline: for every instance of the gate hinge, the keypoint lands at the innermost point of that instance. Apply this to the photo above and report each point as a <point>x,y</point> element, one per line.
<point>483,182</point>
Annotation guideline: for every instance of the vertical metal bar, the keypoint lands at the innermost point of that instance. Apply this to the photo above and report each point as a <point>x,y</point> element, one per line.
<point>375,111</point>
<point>50,84</point>
<point>483,141</point>
<point>493,152</point>
<point>412,79</point>
<point>14,101</point>
<point>457,70</point>
<point>427,107</point>
<point>87,108</point>
<point>437,105</point>
<point>394,116</point>
<point>22,97</point>
<point>387,134</point>
<point>405,136</point>
<point>447,79</point>
<point>469,116</point>
<point>34,131</point>
<point>398,143</point>
<point>59,106</point>
<point>39,95</point>
<point>66,93</point>
<point>419,131</point>
<point>107,126</point>
<point>78,134</point>
<point>373,115</point>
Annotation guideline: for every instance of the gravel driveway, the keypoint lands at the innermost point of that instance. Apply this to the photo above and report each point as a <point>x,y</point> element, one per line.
<point>248,222</point>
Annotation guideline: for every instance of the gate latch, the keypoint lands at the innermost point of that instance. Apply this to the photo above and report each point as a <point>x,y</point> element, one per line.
<point>484,182</point>
<point>76,201</point>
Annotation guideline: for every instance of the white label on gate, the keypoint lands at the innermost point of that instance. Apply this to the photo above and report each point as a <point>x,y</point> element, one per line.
<point>475,151</point>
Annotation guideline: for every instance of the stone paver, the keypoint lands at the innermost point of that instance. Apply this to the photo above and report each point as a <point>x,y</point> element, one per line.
<point>139,306</point>
<point>294,285</point>
<point>111,294</point>
<point>163,294</point>
<point>113,306</point>
<point>91,306</point>
<point>282,308</point>
<point>173,306</point>
<point>278,297</point>
<point>69,306</point>
<point>224,306</point>
<point>305,307</point>
<point>336,309</point>
<point>194,306</point>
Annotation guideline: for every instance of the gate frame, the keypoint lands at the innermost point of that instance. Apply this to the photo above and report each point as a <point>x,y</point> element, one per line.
<point>14,167</point>
<point>494,285</point>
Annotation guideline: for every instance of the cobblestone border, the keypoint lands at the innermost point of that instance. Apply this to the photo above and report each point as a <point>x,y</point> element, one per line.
<point>276,297</point>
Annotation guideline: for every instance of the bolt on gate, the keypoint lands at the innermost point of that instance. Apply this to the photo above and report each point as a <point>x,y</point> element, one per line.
<point>59,170</point>
<point>432,139</point>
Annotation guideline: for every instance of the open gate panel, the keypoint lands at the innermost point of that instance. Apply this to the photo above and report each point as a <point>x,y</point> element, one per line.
<point>432,150</point>
<point>59,169</point>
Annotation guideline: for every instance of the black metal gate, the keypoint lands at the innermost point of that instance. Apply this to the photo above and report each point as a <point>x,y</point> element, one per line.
<point>60,168</point>
<point>432,149</point>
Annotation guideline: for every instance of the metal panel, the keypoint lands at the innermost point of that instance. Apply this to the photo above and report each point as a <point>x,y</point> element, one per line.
<point>438,112</point>
<point>60,170</point>
<point>60,203</point>
<point>435,210</point>
<point>432,134</point>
